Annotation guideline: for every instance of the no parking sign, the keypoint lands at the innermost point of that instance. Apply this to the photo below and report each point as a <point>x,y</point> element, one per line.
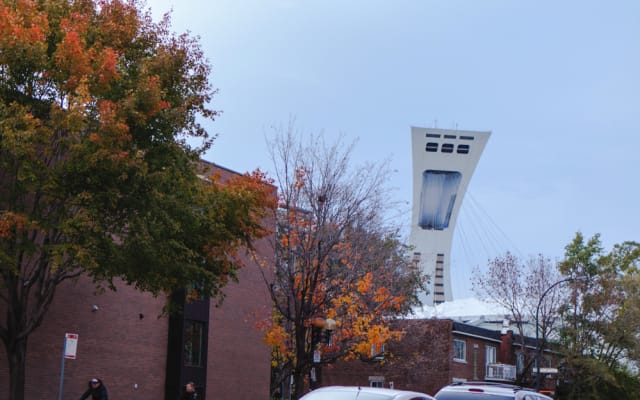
<point>70,345</point>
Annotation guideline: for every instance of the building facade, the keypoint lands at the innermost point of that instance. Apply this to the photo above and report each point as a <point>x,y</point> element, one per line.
<point>443,163</point>
<point>126,339</point>
<point>437,352</point>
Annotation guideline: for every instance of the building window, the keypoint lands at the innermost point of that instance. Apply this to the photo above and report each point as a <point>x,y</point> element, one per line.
<point>447,148</point>
<point>433,135</point>
<point>432,146</point>
<point>193,343</point>
<point>459,350</point>
<point>377,351</point>
<point>490,355</point>
<point>376,381</point>
<point>449,136</point>
<point>546,362</point>
<point>463,149</point>
<point>520,362</point>
<point>466,137</point>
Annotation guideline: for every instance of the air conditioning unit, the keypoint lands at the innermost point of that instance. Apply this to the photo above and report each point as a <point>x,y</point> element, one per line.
<point>501,372</point>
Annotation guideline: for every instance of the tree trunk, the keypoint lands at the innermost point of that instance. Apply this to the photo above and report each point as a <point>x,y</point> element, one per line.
<point>16,352</point>
<point>298,387</point>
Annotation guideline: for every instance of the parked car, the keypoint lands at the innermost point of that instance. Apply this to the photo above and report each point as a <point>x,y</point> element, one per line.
<point>487,391</point>
<point>363,393</point>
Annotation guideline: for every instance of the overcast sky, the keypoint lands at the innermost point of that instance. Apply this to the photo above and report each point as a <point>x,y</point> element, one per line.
<point>557,83</point>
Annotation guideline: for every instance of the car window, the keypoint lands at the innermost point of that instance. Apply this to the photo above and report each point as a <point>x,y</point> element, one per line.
<point>373,396</point>
<point>470,396</point>
<point>344,395</point>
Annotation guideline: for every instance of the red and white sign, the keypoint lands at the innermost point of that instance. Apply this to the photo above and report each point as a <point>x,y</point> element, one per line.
<point>70,345</point>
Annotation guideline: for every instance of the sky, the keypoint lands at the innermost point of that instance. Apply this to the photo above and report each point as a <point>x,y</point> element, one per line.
<point>556,82</point>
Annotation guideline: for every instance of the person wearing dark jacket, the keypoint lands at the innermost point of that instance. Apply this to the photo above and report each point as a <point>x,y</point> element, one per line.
<point>190,392</point>
<point>96,390</point>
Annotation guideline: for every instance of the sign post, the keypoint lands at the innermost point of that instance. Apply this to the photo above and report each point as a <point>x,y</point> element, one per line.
<point>69,349</point>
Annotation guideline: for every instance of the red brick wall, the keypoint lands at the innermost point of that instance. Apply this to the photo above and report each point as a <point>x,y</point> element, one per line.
<point>420,362</point>
<point>239,362</point>
<point>473,367</point>
<point>423,361</point>
<point>114,344</point>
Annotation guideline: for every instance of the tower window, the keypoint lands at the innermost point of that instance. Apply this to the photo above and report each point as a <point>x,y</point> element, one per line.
<point>439,191</point>
<point>449,136</point>
<point>447,148</point>
<point>463,149</point>
<point>432,146</point>
<point>433,135</point>
<point>466,137</point>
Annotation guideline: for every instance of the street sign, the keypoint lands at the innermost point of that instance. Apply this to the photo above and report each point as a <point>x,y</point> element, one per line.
<point>70,345</point>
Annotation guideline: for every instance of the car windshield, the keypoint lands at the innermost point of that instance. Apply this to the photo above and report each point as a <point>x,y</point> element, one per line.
<point>471,396</point>
<point>345,395</point>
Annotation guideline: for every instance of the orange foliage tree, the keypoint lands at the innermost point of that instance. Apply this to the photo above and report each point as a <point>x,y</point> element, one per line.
<point>97,176</point>
<point>337,258</point>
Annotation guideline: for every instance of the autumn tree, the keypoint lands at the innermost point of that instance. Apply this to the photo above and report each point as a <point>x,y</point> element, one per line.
<point>601,321</point>
<point>338,258</point>
<point>99,173</point>
<point>521,288</point>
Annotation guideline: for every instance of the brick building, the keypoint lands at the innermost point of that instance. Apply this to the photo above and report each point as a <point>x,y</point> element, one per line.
<point>141,354</point>
<point>436,352</point>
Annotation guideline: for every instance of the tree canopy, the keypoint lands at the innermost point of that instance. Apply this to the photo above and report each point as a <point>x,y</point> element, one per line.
<point>521,288</point>
<point>337,258</point>
<point>100,139</point>
<point>601,321</point>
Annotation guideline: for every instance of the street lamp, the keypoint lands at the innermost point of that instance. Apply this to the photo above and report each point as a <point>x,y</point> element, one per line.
<point>538,344</point>
<point>318,325</point>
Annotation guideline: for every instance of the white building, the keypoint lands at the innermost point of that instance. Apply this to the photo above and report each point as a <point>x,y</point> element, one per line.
<point>443,163</point>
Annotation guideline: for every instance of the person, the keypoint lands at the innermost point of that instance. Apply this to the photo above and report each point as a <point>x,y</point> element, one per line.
<point>96,390</point>
<point>190,392</point>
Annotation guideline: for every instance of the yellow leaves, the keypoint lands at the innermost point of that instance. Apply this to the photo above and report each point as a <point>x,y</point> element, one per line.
<point>274,335</point>
<point>365,284</point>
<point>373,338</point>
<point>381,294</point>
<point>10,223</point>
<point>284,240</point>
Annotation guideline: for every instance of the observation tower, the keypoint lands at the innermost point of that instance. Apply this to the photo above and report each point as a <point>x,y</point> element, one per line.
<point>443,163</point>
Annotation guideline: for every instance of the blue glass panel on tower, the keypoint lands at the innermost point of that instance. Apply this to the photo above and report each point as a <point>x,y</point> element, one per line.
<point>439,191</point>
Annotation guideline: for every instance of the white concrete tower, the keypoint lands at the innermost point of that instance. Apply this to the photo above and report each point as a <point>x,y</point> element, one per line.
<point>443,163</point>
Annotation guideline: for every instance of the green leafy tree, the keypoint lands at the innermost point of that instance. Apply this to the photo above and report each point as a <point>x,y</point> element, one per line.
<point>97,176</point>
<point>601,321</point>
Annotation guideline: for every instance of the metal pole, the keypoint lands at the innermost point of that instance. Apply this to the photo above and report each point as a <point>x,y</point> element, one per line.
<point>64,351</point>
<point>538,344</point>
